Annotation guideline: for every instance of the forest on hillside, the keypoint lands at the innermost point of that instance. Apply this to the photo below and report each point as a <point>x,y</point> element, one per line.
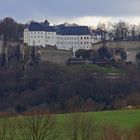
<point>61,89</point>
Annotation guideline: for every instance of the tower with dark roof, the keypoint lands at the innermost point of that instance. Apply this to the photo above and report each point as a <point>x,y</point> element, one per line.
<point>46,23</point>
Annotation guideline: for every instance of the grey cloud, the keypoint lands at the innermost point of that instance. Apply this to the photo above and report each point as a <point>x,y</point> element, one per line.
<point>25,9</point>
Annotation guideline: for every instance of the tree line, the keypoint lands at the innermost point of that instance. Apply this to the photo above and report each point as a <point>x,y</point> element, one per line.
<point>71,88</point>
<point>120,31</point>
<point>11,30</point>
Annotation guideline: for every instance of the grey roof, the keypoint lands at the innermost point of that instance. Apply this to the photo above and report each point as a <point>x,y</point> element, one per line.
<point>34,26</point>
<point>73,30</point>
<point>61,30</point>
<point>48,28</point>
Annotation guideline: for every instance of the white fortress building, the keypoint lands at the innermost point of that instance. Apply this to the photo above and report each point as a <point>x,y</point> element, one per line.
<point>64,37</point>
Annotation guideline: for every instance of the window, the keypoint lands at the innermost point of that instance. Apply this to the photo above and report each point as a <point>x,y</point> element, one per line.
<point>81,38</point>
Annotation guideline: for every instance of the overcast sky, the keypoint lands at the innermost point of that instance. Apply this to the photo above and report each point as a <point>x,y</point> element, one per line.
<point>88,12</point>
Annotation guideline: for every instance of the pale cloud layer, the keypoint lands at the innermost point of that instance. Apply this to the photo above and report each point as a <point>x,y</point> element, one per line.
<point>94,20</point>
<point>87,12</point>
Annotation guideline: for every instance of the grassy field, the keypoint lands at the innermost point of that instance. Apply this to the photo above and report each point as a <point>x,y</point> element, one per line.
<point>104,70</point>
<point>91,68</point>
<point>123,118</point>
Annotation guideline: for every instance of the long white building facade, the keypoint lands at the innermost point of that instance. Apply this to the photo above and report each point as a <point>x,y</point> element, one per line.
<point>64,37</point>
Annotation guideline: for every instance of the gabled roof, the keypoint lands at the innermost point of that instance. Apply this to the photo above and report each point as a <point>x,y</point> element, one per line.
<point>48,28</point>
<point>61,30</point>
<point>73,30</point>
<point>46,22</point>
<point>34,26</point>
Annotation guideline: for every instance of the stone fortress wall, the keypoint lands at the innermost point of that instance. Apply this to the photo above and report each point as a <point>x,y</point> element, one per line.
<point>131,48</point>
<point>60,56</point>
<point>55,56</point>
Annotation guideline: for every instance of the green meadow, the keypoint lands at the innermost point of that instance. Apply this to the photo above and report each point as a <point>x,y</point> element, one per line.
<point>122,118</point>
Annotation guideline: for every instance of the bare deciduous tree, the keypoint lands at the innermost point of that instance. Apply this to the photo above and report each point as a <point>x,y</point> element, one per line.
<point>7,129</point>
<point>3,130</point>
<point>80,127</point>
<point>88,128</point>
<point>38,127</point>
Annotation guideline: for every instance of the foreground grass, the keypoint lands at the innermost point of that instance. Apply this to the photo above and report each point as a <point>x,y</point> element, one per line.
<point>123,118</point>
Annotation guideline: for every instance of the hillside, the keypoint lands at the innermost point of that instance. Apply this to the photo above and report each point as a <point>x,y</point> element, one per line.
<point>59,88</point>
